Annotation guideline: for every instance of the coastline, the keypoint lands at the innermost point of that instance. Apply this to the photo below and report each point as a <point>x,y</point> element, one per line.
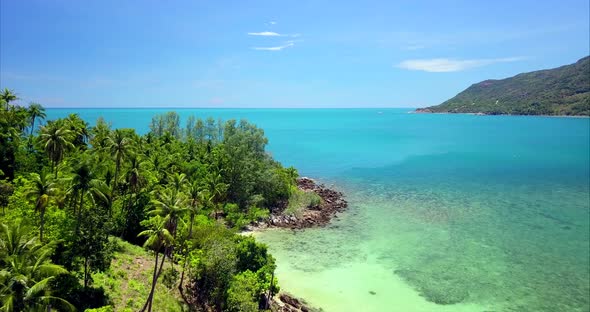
<point>332,202</point>
<point>427,111</point>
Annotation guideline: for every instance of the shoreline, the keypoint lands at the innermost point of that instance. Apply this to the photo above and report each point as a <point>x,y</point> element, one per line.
<point>424,111</point>
<point>332,203</point>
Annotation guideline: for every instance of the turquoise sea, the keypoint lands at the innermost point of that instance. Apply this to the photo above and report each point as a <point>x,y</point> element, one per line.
<point>447,212</point>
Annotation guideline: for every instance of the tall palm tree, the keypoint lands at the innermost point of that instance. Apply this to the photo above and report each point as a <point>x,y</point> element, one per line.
<point>35,111</point>
<point>27,272</point>
<point>120,147</point>
<point>158,236</point>
<point>8,96</point>
<point>82,182</point>
<point>178,181</point>
<point>197,196</point>
<point>79,129</point>
<point>56,141</point>
<point>217,190</point>
<point>102,195</point>
<point>40,191</point>
<point>171,206</point>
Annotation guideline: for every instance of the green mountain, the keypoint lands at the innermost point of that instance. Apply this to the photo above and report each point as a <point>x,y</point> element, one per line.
<point>560,91</point>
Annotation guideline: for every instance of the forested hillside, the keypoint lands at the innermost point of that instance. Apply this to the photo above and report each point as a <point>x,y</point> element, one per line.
<point>70,193</point>
<point>560,91</point>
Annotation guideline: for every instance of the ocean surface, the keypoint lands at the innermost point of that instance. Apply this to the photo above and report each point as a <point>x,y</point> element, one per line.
<point>446,212</point>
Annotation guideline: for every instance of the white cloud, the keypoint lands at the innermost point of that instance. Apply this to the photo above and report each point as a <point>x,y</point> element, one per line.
<point>265,34</point>
<point>272,22</point>
<point>288,44</point>
<point>441,65</point>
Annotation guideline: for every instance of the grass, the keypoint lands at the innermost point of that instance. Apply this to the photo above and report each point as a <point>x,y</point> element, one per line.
<point>128,281</point>
<point>300,200</point>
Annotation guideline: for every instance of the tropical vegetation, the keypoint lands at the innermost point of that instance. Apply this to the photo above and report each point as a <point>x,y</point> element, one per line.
<point>80,201</point>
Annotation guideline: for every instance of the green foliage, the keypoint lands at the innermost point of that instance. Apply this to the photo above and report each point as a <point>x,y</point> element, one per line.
<point>170,277</point>
<point>101,309</point>
<point>300,200</point>
<point>243,293</point>
<point>560,91</point>
<point>27,271</point>
<point>79,186</point>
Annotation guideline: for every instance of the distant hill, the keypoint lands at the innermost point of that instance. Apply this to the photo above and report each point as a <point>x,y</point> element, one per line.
<point>560,91</point>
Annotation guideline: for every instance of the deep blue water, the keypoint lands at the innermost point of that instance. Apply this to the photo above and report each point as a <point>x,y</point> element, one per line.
<point>480,212</point>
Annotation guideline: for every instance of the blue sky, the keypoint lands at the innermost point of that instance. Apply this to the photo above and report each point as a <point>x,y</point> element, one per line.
<point>277,53</point>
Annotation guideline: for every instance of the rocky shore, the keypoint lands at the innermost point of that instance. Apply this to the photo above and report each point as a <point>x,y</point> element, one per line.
<point>332,202</point>
<point>285,302</point>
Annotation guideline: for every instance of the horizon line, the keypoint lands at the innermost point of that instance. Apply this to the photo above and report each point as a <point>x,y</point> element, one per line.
<point>209,107</point>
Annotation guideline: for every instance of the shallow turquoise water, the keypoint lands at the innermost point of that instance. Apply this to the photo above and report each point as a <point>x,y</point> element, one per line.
<point>447,212</point>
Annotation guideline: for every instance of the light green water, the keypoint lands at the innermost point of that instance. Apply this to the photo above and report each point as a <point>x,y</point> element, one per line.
<point>447,212</point>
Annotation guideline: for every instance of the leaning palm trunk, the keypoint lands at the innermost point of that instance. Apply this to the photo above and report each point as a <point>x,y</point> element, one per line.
<point>180,285</point>
<point>155,276</point>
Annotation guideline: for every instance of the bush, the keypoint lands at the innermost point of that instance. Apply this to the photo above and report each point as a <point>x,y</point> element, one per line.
<point>243,294</point>
<point>301,200</point>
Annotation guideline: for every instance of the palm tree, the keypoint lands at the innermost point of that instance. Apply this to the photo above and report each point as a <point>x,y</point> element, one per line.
<point>79,129</point>
<point>197,196</point>
<point>102,195</point>
<point>82,182</point>
<point>217,191</point>
<point>171,206</point>
<point>40,191</point>
<point>8,96</point>
<point>158,236</point>
<point>35,111</point>
<point>120,146</point>
<point>56,141</point>
<point>27,272</point>
<point>178,181</point>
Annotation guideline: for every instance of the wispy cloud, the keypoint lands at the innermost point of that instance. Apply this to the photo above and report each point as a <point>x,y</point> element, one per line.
<point>287,44</point>
<point>265,34</point>
<point>272,34</point>
<point>442,65</point>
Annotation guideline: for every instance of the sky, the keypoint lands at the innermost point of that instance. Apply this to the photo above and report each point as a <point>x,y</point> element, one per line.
<point>114,53</point>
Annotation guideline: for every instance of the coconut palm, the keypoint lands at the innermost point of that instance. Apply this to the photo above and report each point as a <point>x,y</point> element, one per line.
<point>102,195</point>
<point>120,147</point>
<point>178,181</point>
<point>196,196</point>
<point>8,96</point>
<point>217,190</point>
<point>171,206</point>
<point>35,111</point>
<point>81,184</point>
<point>40,191</point>
<point>27,272</point>
<point>158,236</point>
<point>56,141</point>
<point>79,129</point>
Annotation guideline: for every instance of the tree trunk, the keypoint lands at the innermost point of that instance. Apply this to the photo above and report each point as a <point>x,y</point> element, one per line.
<point>117,167</point>
<point>85,272</point>
<point>80,213</point>
<point>42,224</point>
<point>33,126</point>
<point>154,276</point>
<point>180,288</point>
